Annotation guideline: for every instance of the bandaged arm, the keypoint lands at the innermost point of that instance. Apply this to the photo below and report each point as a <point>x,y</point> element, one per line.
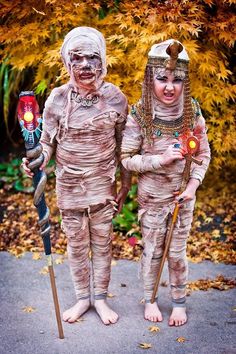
<point>50,127</point>
<point>124,173</point>
<point>204,153</point>
<point>132,142</point>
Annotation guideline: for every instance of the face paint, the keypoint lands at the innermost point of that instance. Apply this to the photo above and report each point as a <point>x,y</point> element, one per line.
<point>86,67</point>
<point>168,87</point>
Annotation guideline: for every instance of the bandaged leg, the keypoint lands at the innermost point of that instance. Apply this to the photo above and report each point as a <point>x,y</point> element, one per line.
<point>153,233</point>
<point>178,266</point>
<point>75,225</point>
<point>101,232</point>
<point>150,264</point>
<point>100,225</point>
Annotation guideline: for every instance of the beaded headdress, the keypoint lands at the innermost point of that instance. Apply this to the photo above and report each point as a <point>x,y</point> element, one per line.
<point>169,55</point>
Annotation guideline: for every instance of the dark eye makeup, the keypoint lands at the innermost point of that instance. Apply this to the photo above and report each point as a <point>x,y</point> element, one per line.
<point>164,78</point>
<point>177,79</point>
<point>161,78</point>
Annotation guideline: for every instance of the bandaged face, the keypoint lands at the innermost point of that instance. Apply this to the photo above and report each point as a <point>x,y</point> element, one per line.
<point>85,64</point>
<point>168,85</point>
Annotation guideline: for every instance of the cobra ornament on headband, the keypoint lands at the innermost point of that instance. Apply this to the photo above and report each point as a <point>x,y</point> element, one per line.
<point>173,51</point>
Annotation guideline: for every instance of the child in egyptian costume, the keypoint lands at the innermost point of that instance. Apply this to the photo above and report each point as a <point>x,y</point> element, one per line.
<point>83,122</point>
<point>154,145</point>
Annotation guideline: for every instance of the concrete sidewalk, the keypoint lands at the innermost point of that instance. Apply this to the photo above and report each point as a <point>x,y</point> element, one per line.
<point>210,330</point>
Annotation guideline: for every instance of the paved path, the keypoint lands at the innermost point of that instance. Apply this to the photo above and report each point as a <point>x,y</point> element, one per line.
<point>211,328</point>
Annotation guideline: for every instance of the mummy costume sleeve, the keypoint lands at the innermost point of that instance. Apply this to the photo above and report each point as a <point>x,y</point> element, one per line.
<point>125,174</point>
<point>204,154</point>
<point>50,127</point>
<point>131,156</point>
<point>118,131</point>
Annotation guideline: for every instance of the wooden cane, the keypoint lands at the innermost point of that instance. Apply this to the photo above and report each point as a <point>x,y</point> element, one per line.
<point>54,294</point>
<point>192,147</point>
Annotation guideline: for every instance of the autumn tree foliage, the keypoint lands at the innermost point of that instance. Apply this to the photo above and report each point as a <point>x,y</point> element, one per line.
<point>32,32</point>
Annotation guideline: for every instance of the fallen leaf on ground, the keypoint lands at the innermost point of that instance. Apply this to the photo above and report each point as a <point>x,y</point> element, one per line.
<point>110,295</point>
<point>181,339</point>
<point>81,319</point>
<point>113,262</point>
<point>36,256</point>
<point>154,329</point>
<point>132,241</point>
<point>44,271</point>
<point>164,283</point>
<point>219,283</point>
<point>28,309</point>
<point>145,345</point>
<point>59,260</point>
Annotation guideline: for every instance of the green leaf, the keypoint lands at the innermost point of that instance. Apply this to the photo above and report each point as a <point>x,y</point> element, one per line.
<point>19,186</point>
<point>41,87</point>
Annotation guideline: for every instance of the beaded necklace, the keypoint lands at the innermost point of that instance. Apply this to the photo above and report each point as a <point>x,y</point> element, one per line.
<point>84,101</point>
<point>161,127</point>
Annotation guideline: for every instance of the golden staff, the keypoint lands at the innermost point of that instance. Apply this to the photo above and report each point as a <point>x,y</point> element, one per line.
<point>192,147</point>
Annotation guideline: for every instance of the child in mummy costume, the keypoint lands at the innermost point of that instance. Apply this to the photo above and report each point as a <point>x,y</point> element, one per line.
<point>154,145</point>
<point>83,123</point>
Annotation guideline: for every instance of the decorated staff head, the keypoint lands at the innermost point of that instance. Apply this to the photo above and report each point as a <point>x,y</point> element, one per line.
<point>29,117</point>
<point>167,57</point>
<point>84,55</point>
<point>192,145</point>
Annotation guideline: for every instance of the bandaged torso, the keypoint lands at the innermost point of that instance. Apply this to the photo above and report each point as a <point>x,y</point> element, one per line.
<point>157,183</point>
<point>85,142</point>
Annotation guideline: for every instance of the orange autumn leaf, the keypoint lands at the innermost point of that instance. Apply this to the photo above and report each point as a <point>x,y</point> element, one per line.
<point>59,260</point>
<point>219,283</point>
<point>180,339</point>
<point>154,329</point>
<point>110,295</point>
<point>36,256</point>
<point>44,271</point>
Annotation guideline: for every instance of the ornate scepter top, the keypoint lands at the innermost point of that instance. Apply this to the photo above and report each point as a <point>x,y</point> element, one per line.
<point>29,118</point>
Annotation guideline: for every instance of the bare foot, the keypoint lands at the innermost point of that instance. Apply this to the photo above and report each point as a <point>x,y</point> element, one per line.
<point>106,314</point>
<point>152,312</point>
<point>74,313</point>
<point>178,317</point>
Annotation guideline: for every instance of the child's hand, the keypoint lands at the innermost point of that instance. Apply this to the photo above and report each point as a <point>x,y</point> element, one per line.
<point>120,199</point>
<point>171,154</point>
<point>25,167</point>
<point>28,172</point>
<point>189,193</point>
